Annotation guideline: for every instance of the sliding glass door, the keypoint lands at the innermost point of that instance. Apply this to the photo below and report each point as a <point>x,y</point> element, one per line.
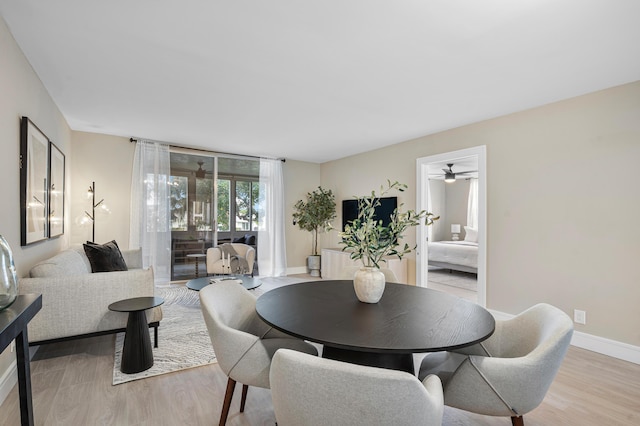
<point>214,199</point>
<point>192,184</point>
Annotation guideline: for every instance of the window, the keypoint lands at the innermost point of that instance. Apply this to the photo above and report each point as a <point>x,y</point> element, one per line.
<point>201,209</point>
<point>246,205</point>
<point>241,215</point>
<point>224,207</point>
<point>179,198</point>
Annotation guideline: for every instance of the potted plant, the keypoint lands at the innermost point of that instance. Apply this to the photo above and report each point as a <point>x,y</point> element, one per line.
<point>313,215</point>
<point>370,241</point>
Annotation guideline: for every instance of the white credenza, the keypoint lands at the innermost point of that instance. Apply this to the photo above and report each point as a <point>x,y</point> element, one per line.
<point>334,260</point>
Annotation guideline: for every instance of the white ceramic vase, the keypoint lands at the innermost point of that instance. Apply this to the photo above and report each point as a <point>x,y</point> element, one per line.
<point>368,283</point>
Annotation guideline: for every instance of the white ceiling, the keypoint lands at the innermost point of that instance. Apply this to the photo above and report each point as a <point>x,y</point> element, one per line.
<point>321,80</point>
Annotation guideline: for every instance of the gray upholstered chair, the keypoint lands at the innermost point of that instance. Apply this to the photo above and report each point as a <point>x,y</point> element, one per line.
<point>309,391</point>
<point>242,342</point>
<point>246,258</point>
<point>509,373</point>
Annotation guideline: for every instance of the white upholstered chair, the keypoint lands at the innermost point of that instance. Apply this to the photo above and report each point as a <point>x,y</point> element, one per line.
<point>310,391</point>
<point>215,263</point>
<point>242,342</point>
<point>509,373</point>
<point>348,272</point>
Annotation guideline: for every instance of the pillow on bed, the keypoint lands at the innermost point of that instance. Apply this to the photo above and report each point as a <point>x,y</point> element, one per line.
<point>471,234</point>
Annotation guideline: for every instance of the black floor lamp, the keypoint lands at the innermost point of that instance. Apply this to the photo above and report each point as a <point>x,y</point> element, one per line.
<point>92,193</point>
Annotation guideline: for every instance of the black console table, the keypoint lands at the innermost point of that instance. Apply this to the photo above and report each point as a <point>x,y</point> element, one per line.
<point>13,326</point>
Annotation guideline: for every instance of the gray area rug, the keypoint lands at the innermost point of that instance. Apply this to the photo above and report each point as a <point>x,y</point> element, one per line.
<point>183,338</point>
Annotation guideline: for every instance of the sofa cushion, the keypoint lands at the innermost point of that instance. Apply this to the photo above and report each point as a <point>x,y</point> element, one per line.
<point>67,262</point>
<point>105,257</point>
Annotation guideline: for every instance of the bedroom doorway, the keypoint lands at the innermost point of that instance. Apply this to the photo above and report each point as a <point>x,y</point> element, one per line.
<point>462,234</point>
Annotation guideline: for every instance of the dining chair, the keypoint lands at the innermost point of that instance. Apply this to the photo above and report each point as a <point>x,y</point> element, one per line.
<point>242,342</point>
<point>310,391</point>
<point>509,373</point>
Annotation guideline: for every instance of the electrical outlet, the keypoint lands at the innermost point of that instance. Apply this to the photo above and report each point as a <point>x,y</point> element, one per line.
<point>579,317</point>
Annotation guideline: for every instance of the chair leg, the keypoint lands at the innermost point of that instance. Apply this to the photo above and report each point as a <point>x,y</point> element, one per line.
<point>231,384</point>
<point>245,388</point>
<point>517,421</point>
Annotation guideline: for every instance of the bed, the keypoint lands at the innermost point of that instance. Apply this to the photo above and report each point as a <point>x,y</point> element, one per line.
<point>455,255</point>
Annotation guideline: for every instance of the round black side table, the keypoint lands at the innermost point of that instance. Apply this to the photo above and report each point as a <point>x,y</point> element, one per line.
<point>137,354</point>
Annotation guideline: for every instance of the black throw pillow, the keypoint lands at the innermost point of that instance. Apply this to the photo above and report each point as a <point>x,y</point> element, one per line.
<point>250,239</point>
<point>105,257</point>
<point>239,240</point>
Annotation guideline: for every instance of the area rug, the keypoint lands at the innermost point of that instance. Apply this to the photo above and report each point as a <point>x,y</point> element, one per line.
<point>183,338</point>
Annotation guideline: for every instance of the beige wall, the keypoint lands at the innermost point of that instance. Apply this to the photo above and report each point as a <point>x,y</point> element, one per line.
<point>299,179</point>
<point>562,204</point>
<point>23,95</point>
<point>107,161</point>
<point>457,201</point>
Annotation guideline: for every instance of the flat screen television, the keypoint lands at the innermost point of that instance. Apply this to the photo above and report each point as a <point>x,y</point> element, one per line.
<point>383,211</point>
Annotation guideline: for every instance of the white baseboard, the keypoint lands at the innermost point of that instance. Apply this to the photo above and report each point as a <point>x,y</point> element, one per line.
<point>601,345</point>
<point>8,380</point>
<point>297,270</point>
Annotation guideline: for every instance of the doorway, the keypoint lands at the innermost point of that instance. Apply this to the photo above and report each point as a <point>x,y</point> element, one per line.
<point>452,166</point>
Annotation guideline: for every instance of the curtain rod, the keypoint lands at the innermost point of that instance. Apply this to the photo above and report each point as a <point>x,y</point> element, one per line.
<point>216,152</point>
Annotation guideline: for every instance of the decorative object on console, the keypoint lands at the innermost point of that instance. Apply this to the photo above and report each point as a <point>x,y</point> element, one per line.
<point>455,232</point>
<point>369,240</point>
<point>91,193</point>
<point>315,214</point>
<point>8,279</point>
<point>34,189</point>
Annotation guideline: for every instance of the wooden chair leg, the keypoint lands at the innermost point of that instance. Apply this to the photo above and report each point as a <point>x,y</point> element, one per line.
<point>517,421</point>
<point>245,388</point>
<point>231,384</point>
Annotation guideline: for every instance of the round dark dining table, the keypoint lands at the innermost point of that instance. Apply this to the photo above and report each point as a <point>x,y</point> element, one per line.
<point>406,320</point>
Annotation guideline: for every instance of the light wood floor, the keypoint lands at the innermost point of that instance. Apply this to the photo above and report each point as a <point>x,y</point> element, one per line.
<point>72,386</point>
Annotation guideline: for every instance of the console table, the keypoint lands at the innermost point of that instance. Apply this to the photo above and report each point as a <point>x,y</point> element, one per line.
<point>13,326</point>
<point>334,260</point>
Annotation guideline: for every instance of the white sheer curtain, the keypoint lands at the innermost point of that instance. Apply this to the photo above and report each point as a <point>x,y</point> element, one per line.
<point>150,209</point>
<point>272,254</point>
<point>472,208</point>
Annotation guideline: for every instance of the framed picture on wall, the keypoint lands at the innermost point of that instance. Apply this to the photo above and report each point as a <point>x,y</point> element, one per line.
<point>56,191</point>
<point>34,188</point>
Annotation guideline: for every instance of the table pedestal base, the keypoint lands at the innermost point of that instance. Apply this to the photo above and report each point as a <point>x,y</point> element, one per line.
<point>137,354</point>
<point>392,361</point>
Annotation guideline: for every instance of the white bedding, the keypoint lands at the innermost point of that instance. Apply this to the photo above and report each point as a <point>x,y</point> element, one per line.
<point>463,253</point>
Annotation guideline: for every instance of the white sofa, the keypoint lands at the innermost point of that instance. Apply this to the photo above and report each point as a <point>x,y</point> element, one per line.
<point>75,301</point>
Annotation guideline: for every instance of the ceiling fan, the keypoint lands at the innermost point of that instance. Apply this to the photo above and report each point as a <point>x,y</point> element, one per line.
<point>200,173</point>
<point>450,175</point>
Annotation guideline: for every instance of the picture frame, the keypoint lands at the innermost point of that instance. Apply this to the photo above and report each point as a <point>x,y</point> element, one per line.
<point>34,188</point>
<point>56,191</point>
